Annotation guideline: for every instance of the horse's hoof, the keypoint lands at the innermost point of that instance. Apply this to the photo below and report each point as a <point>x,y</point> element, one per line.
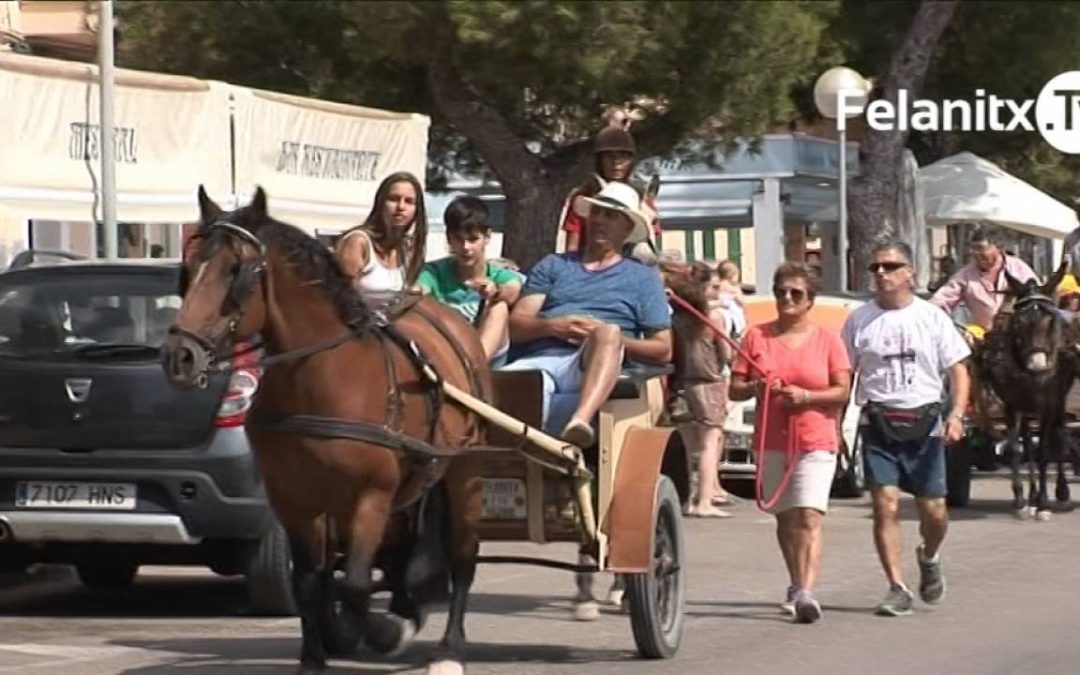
<point>446,667</point>
<point>1021,513</point>
<point>615,596</point>
<point>1033,511</point>
<point>1043,516</point>
<point>389,634</point>
<point>588,610</point>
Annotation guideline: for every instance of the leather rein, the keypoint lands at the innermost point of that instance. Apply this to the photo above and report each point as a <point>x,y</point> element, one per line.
<point>429,458</point>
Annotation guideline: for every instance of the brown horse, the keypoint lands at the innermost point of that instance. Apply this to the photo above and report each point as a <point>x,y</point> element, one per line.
<point>357,449</point>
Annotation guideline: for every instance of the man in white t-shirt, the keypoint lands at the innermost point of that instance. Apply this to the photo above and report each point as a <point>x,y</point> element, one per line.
<point>900,346</point>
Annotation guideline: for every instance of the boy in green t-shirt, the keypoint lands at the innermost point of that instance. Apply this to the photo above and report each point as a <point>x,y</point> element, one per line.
<point>466,281</point>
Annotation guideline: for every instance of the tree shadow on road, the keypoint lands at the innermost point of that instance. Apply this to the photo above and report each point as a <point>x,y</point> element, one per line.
<point>277,656</point>
<point>148,597</point>
<point>976,509</point>
<point>754,611</point>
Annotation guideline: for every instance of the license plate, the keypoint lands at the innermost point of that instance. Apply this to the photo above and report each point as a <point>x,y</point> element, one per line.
<point>504,498</point>
<point>56,495</point>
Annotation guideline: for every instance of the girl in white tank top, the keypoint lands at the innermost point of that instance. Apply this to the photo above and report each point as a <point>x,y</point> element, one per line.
<point>395,228</point>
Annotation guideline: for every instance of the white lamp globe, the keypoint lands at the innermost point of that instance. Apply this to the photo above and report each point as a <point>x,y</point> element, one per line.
<point>835,80</point>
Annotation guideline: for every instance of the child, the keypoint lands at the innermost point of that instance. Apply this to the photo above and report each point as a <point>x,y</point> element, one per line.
<point>480,290</point>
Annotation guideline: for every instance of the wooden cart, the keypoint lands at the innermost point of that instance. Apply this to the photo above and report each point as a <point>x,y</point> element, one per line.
<point>624,502</point>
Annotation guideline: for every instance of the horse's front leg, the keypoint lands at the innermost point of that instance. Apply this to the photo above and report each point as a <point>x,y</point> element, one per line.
<point>365,526</point>
<point>464,491</point>
<point>308,593</point>
<point>1030,449</point>
<point>1015,453</point>
<point>1061,489</point>
<point>1042,499</point>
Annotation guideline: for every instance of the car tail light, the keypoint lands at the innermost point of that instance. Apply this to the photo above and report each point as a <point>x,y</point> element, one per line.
<point>243,383</point>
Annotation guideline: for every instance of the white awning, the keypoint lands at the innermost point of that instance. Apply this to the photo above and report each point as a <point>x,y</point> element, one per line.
<point>320,162</point>
<point>172,134</point>
<point>966,187</point>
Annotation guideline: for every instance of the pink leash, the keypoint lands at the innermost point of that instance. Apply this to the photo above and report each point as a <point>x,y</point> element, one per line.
<point>762,412</point>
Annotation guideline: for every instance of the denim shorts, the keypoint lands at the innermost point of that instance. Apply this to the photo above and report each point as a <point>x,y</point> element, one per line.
<point>916,467</point>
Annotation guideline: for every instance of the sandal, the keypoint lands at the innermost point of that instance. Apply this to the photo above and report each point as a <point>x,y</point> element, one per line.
<point>712,512</point>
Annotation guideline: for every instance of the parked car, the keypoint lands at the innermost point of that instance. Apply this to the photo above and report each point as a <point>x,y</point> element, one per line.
<point>103,464</point>
<point>738,469</point>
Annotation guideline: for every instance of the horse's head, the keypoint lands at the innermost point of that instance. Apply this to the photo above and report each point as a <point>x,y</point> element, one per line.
<point>222,288</point>
<point>1035,326</point>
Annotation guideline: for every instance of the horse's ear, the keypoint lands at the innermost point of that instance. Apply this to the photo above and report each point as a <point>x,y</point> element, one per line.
<point>1016,288</point>
<point>1053,282</point>
<point>258,202</point>
<point>209,211</point>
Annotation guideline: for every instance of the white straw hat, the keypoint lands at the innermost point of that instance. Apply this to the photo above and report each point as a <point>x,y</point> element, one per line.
<point>620,197</point>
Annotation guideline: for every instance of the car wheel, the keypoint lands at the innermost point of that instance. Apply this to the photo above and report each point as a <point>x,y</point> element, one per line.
<point>850,482</point>
<point>269,575</point>
<point>107,575</point>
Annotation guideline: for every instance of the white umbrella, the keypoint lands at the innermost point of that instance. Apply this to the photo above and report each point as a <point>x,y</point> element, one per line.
<point>966,187</point>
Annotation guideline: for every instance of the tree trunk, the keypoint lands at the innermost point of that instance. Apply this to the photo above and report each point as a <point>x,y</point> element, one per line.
<point>533,208</point>
<point>535,187</point>
<point>872,197</point>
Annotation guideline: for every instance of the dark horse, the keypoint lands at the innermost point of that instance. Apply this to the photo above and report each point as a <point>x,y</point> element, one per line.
<point>356,447</point>
<point>1028,362</point>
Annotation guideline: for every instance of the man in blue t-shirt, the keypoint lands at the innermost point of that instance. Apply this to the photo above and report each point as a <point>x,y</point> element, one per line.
<point>581,312</point>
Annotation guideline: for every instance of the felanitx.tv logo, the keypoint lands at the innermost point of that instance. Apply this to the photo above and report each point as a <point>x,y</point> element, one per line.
<point>1055,113</point>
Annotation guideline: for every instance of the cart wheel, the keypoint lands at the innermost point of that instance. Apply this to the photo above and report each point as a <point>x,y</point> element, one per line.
<point>340,625</point>
<point>657,597</point>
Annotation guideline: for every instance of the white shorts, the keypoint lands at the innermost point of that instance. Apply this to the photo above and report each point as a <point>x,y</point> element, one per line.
<point>811,481</point>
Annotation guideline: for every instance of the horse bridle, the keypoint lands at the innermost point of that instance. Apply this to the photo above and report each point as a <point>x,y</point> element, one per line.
<point>1037,302</point>
<point>242,285</point>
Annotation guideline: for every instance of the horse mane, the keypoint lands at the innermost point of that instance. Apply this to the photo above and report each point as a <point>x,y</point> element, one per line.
<point>314,260</point>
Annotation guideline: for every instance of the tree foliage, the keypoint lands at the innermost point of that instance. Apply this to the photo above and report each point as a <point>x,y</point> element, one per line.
<point>538,74</point>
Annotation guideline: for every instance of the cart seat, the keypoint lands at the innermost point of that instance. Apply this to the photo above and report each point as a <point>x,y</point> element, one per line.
<point>634,375</point>
<point>520,393</point>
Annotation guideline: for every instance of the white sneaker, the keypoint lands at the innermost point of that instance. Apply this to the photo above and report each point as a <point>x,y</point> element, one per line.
<point>586,610</point>
<point>788,605</point>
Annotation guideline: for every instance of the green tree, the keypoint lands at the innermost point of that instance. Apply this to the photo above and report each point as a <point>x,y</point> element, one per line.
<point>1010,49</point>
<point>874,194</point>
<point>981,51</point>
<point>518,87</point>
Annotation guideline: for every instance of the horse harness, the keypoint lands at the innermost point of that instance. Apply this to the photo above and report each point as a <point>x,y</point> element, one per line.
<point>428,460</point>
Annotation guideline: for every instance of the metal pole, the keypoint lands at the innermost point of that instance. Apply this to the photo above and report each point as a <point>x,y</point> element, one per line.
<point>842,242</point>
<point>108,126</point>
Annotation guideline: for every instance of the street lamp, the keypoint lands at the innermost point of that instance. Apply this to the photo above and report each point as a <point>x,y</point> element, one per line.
<point>827,90</point>
<point>106,86</point>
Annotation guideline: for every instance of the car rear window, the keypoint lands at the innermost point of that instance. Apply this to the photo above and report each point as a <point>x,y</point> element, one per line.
<point>63,312</point>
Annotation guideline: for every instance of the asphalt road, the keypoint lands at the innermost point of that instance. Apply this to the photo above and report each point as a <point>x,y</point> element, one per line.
<point>1011,607</point>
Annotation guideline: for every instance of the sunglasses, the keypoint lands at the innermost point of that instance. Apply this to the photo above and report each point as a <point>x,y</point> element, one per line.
<point>885,267</point>
<point>796,294</point>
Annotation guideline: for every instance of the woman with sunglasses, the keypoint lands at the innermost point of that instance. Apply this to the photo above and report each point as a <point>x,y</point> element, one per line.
<point>814,376</point>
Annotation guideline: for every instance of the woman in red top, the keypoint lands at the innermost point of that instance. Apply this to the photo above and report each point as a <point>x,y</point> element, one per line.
<point>815,380</point>
<point>615,157</point>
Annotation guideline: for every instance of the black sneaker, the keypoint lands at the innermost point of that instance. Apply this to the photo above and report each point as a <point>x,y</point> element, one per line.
<point>931,579</point>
